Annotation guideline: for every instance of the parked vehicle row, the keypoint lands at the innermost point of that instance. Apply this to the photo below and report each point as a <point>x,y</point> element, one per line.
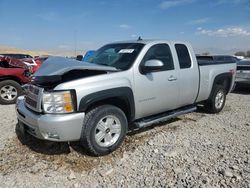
<point>216,59</point>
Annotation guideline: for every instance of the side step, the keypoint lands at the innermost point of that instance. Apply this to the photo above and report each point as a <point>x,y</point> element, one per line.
<point>145,122</point>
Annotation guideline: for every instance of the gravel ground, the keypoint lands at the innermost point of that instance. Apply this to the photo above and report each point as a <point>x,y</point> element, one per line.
<point>194,150</point>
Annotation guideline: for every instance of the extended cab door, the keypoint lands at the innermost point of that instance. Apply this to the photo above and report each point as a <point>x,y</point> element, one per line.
<point>189,74</point>
<point>156,91</point>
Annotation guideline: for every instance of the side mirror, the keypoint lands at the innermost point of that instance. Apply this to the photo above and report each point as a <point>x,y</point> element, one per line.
<point>152,66</point>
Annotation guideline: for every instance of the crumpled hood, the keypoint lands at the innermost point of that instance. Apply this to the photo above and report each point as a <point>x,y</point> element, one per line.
<point>61,65</point>
<point>15,63</point>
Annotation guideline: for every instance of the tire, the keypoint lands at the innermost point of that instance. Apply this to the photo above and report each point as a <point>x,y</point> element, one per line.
<point>217,100</point>
<point>104,129</point>
<point>22,135</point>
<point>9,91</point>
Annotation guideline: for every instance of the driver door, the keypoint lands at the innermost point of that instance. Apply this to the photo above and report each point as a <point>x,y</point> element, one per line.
<point>156,91</point>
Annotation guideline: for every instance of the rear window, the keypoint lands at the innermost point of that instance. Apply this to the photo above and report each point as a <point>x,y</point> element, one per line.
<point>183,56</point>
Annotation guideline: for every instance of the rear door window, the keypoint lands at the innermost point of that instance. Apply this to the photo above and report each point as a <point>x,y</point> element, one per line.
<point>183,56</point>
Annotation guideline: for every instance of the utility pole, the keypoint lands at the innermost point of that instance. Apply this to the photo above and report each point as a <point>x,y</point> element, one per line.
<point>75,41</point>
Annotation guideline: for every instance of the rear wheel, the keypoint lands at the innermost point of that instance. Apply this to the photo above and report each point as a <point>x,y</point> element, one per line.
<point>9,91</point>
<point>217,100</point>
<point>104,129</point>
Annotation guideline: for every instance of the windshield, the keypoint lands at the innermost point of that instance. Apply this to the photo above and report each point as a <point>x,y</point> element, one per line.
<point>121,56</point>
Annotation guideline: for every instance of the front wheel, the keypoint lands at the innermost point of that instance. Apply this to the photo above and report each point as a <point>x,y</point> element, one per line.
<point>104,129</point>
<point>217,100</point>
<point>9,91</point>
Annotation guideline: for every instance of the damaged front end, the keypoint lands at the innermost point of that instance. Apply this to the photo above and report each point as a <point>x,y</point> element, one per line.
<point>56,70</point>
<point>14,67</point>
<point>9,62</point>
<point>40,94</point>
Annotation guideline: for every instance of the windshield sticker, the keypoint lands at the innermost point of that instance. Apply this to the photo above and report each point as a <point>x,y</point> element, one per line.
<point>126,51</point>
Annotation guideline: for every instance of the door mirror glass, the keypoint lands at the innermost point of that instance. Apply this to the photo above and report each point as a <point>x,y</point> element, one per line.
<point>152,66</point>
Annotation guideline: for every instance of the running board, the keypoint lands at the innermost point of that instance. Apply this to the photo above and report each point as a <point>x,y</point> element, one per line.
<point>145,122</point>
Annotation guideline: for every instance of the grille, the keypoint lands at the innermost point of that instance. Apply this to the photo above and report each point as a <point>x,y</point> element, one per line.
<point>33,98</point>
<point>31,102</point>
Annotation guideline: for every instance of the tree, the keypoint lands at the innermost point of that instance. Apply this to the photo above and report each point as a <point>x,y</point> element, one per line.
<point>248,53</point>
<point>205,53</point>
<point>240,53</point>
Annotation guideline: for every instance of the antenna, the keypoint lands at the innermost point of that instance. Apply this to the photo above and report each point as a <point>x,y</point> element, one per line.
<point>139,38</point>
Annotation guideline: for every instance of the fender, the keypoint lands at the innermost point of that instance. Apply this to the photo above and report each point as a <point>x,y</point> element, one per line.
<point>122,93</point>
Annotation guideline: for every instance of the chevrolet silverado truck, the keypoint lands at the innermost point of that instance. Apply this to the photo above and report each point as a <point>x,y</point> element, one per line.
<point>131,83</point>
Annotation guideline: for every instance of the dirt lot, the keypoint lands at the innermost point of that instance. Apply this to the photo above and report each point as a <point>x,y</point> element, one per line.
<point>195,150</point>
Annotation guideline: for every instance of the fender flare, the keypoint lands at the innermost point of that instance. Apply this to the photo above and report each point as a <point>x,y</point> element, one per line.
<point>220,77</point>
<point>122,93</point>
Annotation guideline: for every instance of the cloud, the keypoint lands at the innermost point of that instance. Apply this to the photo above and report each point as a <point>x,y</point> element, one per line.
<point>224,32</point>
<point>199,21</point>
<point>174,3</point>
<point>124,26</point>
<point>231,2</point>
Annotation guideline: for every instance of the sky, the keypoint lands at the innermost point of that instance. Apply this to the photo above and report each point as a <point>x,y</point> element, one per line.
<point>216,25</point>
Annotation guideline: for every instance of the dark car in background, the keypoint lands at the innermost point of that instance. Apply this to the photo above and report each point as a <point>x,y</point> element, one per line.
<point>88,55</point>
<point>243,71</point>
<point>216,59</point>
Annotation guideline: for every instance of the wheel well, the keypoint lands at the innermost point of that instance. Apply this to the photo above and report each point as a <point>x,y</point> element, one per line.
<point>119,102</point>
<point>11,78</point>
<point>224,81</point>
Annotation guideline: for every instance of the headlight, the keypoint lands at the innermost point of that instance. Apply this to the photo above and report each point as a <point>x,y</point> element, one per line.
<point>58,102</point>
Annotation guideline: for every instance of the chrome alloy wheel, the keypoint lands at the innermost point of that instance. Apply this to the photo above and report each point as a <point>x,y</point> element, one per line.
<point>219,99</point>
<point>107,131</point>
<point>8,93</point>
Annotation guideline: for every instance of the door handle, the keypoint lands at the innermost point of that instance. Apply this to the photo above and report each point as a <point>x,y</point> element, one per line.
<point>172,78</point>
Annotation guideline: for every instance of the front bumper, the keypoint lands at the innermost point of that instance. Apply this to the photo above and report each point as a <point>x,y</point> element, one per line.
<point>54,127</point>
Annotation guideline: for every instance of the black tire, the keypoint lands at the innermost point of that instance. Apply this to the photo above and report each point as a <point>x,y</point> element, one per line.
<point>211,105</point>
<point>22,135</point>
<point>90,123</point>
<point>17,87</point>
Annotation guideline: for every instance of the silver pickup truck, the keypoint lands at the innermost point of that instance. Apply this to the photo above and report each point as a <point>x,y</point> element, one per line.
<point>131,83</point>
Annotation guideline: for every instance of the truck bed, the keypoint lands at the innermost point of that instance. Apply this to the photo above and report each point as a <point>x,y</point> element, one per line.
<point>208,70</point>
